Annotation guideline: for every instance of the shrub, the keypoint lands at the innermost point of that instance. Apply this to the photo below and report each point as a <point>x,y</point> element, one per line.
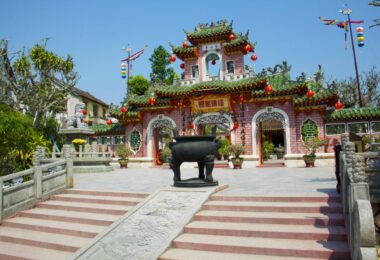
<point>123,152</point>
<point>236,150</point>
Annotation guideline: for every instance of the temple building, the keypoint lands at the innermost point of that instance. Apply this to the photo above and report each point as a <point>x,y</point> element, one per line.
<point>248,108</point>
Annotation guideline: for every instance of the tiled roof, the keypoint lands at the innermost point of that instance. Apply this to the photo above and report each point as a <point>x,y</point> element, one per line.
<point>353,114</point>
<point>87,95</point>
<point>209,33</point>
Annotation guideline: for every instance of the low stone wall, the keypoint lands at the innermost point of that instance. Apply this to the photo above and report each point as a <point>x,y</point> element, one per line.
<point>357,204</point>
<point>296,160</point>
<point>22,190</point>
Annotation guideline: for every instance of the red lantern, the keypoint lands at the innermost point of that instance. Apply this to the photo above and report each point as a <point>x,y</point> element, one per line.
<point>172,58</point>
<point>182,65</point>
<point>341,25</point>
<point>185,45</point>
<point>84,111</point>
<point>191,125</point>
<point>213,62</point>
<point>152,100</point>
<point>254,57</point>
<point>231,37</point>
<point>248,48</point>
<point>338,105</point>
<point>268,88</point>
<point>123,110</point>
<point>109,122</point>
<point>236,125</point>
<point>241,99</point>
<point>310,93</point>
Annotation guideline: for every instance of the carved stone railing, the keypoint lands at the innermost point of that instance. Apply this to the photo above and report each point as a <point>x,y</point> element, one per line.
<point>233,77</point>
<point>185,82</point>
<point>357,206</point>
<point>22,190</point>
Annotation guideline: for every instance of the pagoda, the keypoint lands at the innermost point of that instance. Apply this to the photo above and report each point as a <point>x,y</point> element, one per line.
<point>251,109</point>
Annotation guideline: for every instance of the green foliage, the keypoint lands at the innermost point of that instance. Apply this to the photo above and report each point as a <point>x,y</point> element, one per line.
<point>309,130</point>
<point>161,74</point>
<point>166,154</point>
<point>123,152</point>
<point>224,148</point>
<point>35,82</point>
<point>138,85</point>
<point>236,150</point>
<point>268,149</point>
<point>312,144</point>
<point>18,140</point>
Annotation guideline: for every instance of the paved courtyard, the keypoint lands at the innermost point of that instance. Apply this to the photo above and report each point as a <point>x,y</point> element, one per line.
<point>253,181</point>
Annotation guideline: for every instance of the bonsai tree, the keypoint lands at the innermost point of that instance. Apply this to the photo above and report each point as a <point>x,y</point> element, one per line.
<point>123,152</point>
<point>236,150</point>
<point>279,151</point>
<point>311,145</point>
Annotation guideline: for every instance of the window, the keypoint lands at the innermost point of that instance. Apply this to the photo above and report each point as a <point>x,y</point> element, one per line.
<point>94,110</point>
<point>335,129</point>
<point>106,140</point>
<point>195,71</point>
<point>309,130</point>
<point>119,139</point>
<point>135,140</point>
<point>375,127</point>
<point>230,67</point>
<point>358,128</point>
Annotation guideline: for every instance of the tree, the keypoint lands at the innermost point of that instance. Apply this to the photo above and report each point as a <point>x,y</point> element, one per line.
<point>18,140</point>
<point>161,74</point>
<point>138,85</point>
<point>369,87</point>
<point>36,82</point>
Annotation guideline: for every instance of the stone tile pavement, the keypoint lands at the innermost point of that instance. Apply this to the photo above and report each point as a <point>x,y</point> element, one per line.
<point>251,181</point>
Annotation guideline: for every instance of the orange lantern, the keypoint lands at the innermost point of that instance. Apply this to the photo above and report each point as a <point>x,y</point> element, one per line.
<point>152,100</point>
<point>310,93</point>
<point>268,89</point>
<point>338,105</point>
<point>172,58</point>
<point>123,110</point>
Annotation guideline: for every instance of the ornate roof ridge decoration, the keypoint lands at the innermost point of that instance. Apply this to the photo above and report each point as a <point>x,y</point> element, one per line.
<point>116,128</point>
<point>183,53</point>
<point>353,114</point>
<point>325,97</point>
<point>217,85</point>
<point>290,89</point>
<point>205,32</point>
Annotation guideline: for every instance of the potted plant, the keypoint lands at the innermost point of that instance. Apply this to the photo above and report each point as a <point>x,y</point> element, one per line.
<point>236,150</point>
<point>268,149</point>
<point>166,154</point>
<point>279,151</point>
<point>311,145</point>
<point>123,152</point>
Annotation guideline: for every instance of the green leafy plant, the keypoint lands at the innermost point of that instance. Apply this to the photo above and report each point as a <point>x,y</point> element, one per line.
<point>312,144</point>
<point>224,148</point>
<point>236,150</point>
<point>268,149</point>
<point>138,85</point>
<point>123,152</point>
<point>166,154</point>
<point>279,151</point>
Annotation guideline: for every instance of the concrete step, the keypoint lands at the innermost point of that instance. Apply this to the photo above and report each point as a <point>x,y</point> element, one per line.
<point>277,199</point>
<point>184,254</point>
<point>70,216</point>
<point>85,207</point>
<point>300,207</point>
<point>307,232</point>
<point>17,251</point>
<point>123,201</point>
<point>263,246</point>
<point>41,239</point>
<point>317,219</point>
<point>49,226</point>
<point>107,193</point>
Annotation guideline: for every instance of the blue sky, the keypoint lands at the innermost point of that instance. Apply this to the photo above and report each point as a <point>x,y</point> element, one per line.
<point>94,32</point>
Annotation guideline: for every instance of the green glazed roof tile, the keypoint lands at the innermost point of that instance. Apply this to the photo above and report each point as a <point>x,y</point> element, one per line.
<point>353,114</point>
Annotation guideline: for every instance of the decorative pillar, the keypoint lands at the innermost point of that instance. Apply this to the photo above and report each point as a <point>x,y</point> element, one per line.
<point>68,155</point>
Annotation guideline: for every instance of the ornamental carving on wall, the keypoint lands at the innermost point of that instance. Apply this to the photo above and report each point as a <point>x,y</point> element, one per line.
<point>213,119</point>
<point>162,123</point>
<point>267,116</point>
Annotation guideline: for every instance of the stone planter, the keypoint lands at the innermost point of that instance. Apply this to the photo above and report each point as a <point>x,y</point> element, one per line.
<point>123,163</point>
<point>309,160</point>
<point>237,162</point>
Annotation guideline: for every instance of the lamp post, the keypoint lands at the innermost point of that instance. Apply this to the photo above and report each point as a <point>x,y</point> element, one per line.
<point>348,12</point>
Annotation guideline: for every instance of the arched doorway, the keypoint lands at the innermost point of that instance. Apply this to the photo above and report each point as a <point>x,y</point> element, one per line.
<point>160,130</point>
<point>271,136</point>
<point>223,123</point>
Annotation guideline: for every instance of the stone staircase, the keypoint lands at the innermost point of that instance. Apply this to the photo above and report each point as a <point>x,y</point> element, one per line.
<point>58,227</point>
<point>230,227</point>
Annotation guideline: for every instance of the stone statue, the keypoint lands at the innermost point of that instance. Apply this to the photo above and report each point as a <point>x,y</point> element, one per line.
<point>77,120</point>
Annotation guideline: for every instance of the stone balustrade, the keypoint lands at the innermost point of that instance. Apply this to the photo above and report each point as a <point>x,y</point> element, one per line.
<point>22,190</point>
<point>355,174</point>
